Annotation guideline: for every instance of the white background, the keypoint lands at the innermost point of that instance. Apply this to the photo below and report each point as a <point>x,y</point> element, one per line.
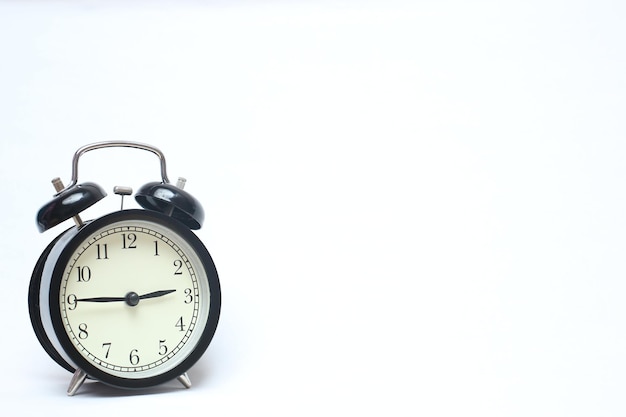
<point>415,208</point>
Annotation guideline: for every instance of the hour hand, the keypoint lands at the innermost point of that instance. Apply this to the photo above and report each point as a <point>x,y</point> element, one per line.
<point>155,294</point>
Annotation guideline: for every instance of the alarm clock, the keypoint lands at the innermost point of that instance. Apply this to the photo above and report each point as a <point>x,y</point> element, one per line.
<point>131,299</point>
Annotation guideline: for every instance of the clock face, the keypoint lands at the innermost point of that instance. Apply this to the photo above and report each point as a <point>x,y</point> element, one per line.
<point>136,298</point>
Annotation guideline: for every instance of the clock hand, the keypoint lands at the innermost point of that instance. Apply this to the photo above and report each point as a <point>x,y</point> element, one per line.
<point>156,294</point>
<point>102,299</point>
<point>132,298</point>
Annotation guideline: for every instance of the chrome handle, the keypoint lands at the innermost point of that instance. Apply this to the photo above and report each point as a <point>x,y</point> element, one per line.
<point>114,144</point>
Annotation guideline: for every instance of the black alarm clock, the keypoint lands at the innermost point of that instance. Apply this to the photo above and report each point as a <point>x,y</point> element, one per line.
<point>131,299</point>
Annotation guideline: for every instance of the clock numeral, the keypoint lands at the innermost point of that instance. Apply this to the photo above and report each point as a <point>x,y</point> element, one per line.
<point>162,348</point>
<point>106,346</point>
<point>72,302</point>
<point>129,241</point>
<point>84,273</point>
<point>134,359</point>
<point>102,252</point>
<point>156,248</point>
<point>180,324</point>
<point>179,265</point>
<point>82,331</point>
<point>188,296</point>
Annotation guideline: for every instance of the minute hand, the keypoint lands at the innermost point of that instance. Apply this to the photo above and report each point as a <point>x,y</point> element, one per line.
<point>102,299</point>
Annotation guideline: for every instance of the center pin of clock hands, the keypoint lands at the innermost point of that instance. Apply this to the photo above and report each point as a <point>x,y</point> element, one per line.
<point>132,298</point>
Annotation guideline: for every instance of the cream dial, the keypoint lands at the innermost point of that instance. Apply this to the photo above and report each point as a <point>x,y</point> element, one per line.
<point>134,299</point>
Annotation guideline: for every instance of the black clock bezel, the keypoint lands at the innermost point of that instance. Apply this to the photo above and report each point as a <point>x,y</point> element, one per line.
<point>213,283</point>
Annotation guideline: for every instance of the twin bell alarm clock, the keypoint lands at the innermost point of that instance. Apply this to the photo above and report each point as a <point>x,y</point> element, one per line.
<point>130,299</point>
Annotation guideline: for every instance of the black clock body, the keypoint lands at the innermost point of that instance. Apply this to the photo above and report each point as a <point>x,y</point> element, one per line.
<point>59,293</point>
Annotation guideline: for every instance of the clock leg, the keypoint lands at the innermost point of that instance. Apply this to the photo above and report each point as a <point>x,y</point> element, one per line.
<point>76,382</point>
<point>184,379</point>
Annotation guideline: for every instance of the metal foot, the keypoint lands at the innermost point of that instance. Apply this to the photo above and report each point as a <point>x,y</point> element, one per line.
<point>76,382</point>
<point>184,379</point>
